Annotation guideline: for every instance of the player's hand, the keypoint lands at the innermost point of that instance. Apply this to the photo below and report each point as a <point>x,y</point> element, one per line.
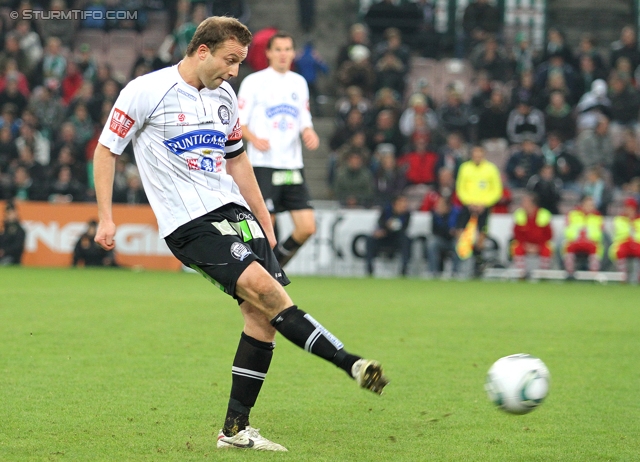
<point>104,235</point>
<point>310,139</point>
<point>261,144</point>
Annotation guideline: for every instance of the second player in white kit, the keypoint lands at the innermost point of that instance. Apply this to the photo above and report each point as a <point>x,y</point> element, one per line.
<point>274,111</point>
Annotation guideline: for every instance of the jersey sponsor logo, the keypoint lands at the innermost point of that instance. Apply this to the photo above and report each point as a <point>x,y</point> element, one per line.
<point>196,139</point>
<point>188,95</point>
<point>223,113</point>
<point>236,134</point>
<point>207,164</point>
<point>120,123</point>
<point>239,251</point>
<point>285,109</point>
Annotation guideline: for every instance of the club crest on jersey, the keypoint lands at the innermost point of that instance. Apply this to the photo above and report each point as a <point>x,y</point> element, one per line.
<point>223,113</point>
<point>239,251</point>
<point>212,140</point>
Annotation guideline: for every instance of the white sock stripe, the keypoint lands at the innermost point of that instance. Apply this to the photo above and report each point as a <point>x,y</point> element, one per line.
<point>312,339</point>
<point>248,373</point>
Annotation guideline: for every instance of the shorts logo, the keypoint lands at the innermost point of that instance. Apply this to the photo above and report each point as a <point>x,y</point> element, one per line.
<point>188,95</point>
<point>244,216</point>
<point>239,251</point>
<point>120,123</point>
<point>223,113</point>
<point>236,134</point>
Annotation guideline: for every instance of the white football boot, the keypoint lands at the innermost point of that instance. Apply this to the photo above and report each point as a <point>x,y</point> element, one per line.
<point>249,438</point>
<point>369,375</point>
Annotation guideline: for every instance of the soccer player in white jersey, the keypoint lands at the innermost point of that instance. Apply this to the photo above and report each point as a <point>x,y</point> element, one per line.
<point>274,110</point>
<point>183,123</point>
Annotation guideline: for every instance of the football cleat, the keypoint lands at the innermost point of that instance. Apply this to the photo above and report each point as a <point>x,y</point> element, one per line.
<point>369,375</point>
<point>249,438</point>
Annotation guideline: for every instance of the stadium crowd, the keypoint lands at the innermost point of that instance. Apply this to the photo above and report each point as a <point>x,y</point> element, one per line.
<point>557,121</point>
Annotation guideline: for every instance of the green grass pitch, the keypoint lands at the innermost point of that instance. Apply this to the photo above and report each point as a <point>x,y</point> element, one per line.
<point>122,366</point>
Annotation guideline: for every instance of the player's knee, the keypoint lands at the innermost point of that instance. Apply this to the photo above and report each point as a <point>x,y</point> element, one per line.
<point>306,230</point>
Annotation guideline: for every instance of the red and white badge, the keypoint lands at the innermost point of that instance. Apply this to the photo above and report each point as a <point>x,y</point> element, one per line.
<point>120,123</point>
<point>236,133</point>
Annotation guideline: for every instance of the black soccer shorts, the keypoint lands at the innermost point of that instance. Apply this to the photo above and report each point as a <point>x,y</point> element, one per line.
<point>222,244</point>
<point>283,190</point>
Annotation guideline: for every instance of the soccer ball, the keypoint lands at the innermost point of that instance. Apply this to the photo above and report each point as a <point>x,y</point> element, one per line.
<point>518,383</point>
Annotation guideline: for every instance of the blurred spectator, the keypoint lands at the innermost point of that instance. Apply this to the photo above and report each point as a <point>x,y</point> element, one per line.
<point>88,253</point>
<point>11,72</point>
<point>354,183</point>
<point>489,56</point>
<point>426,39</point>
<point>482,96</point>
<point>525,89</point>
<point>83,125</point>
<point>525,121</point>
<point>12,237</point>
<point>62,29</point>
<point>67,137</point>
<point>30,43</point>
<point>417,108</point>
<point>557,46</point>
<point>625,103</point>
<point>53,66</point>
<point>626,162</point>
<point>308,64</point>
<point>422,86</point>
<point>108,94</point>
<point>587,48</point>
<point>71,83</point>
<point>183,34</point>
<point>420,162</point>
<point>592,105</point>
<point>389,178</point>
<point>547,188</point>
<point>357,36</point>
<point>390,234</point>
<point>492,123</point>
<point>257,55</point>
<point>522,53</point>
<point>532,233</point>
<point>134,193</point>
<point>358,70</point>
<point>39,147</point>
<point>441,242</point>
<point>85,96</point>
<point>567,166</point>
<point>358,143</point>
<point>446,187</point>
<point>583,235</point>
<point>453,153</point>
<point>625,249</point>
<point>555,83</point>
<point>480,20</point>
<point>391,61</point>
<point>588,74</point>
<point>8,149</point>
<point>455,114</point>
<point>353,100</point>
<point>385,131</point>
<point>595,147</point>
<point>478,188</point>
<point>559,116</point>
<point>68,158</point>
<point>86,62</point>
<point>343,134</point>
<point>65,188</point>
<point>597,189</point>
<point>23,187</point>
<point>13,51</point>
<point>9,119</point>
<point>387,99</point>
<point>627,47</point>
<point>48,109</point>
<point>556,64</point>
<point>11,95</point>
<point>523,164</point>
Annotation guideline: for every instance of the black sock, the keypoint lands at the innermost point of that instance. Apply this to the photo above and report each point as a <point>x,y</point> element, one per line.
<point>300,328</point>
<point>285,251</point>
<point>249,369</point>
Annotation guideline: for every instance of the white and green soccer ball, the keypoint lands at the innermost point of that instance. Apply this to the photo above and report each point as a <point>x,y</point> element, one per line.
<point>518,383</point>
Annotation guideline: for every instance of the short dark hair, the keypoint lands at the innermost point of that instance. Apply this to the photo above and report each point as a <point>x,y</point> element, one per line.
<point>280,35</point>
<point>216,30</point>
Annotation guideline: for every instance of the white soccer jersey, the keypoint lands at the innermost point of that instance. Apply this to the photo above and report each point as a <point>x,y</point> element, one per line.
<point>275,106</point>
<point>181,138</point>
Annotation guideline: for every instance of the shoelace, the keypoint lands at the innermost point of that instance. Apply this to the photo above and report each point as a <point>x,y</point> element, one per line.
<point>253,432</point>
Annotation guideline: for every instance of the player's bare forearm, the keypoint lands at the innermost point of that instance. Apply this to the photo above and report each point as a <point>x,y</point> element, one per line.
<point>104,166</point>
<point>242,172</point>
<point>260,144</point>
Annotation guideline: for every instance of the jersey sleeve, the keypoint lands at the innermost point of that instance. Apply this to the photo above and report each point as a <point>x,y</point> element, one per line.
<point>127,116</point>
<point>234,147</point>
